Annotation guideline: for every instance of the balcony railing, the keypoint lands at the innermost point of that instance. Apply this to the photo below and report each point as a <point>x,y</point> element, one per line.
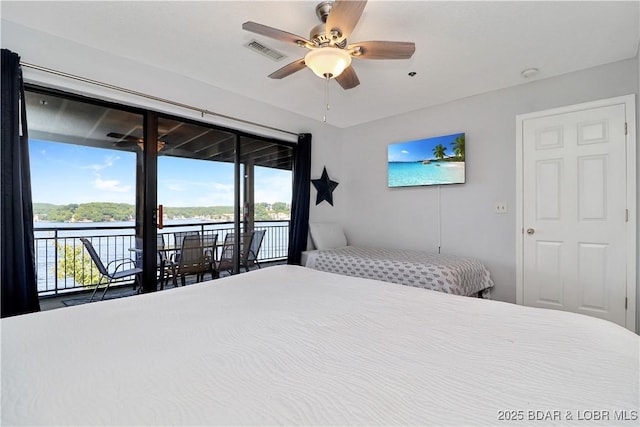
<point>59,250</point>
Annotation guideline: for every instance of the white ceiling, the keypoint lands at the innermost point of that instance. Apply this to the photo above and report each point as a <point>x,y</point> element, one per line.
<point>462,48</point>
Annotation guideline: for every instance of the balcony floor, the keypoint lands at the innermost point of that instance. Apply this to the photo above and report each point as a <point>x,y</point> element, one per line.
<point>82,297</point>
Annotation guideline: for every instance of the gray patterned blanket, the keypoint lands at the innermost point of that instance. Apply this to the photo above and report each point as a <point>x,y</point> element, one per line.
<point>445,273</point>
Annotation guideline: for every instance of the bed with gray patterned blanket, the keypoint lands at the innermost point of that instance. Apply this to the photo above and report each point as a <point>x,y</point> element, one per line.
<point>445,273</point>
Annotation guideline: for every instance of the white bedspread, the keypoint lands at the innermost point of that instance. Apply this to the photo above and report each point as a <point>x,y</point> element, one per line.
<point>439,272</point>
<point>292,345</point>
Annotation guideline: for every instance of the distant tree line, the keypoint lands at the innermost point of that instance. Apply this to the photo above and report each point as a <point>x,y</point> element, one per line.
<point>106,212</point>
<point>94,212</point>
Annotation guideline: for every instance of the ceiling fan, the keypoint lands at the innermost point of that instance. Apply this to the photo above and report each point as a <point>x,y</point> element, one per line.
<point>130,140</point>
<point>329,53</point>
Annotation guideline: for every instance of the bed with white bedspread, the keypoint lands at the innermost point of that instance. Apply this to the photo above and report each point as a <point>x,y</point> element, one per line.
<point>445,273</point>
<point>296,346</point>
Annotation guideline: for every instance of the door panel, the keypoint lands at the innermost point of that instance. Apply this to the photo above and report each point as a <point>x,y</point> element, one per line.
<point>549,189</point>
<point>592,276</point>
<point>592,188</point>
<point>574,200</point>
<point>548,269</point>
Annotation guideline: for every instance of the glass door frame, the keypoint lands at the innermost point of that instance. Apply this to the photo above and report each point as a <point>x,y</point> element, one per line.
<point>147,202</point>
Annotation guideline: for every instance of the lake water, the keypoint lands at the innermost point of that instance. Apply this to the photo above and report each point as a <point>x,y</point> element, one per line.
<point>403,174</point>
<point>112,240</point>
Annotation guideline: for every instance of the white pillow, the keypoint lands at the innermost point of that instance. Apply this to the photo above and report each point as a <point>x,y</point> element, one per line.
<point>326,235</point>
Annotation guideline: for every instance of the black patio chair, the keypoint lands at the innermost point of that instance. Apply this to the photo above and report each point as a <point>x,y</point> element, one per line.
<point>178,238</point>
<point>165,264</point>
<point>114,270</point>
<point>192,260</point>
<point>209,246</point>
<point>250,255</point>
<point>225,263</point>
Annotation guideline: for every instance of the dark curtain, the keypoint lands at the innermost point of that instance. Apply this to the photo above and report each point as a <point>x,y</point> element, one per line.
<point>299,227</point>
<point>17,258</point>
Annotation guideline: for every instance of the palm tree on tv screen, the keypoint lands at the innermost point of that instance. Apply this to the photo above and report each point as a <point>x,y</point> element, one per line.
<point>458,147</point>
<point>439,151</point>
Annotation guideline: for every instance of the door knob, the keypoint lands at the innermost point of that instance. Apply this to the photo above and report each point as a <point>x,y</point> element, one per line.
<point>530,231</point>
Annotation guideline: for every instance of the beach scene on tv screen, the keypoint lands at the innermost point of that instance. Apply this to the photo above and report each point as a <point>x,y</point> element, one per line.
<point>429,161</point>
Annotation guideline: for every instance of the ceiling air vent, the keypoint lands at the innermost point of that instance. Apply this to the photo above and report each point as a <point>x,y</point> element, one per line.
<point>263,50</point>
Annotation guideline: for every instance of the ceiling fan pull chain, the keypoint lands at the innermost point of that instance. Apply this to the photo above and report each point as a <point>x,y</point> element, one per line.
<point>326,97</point>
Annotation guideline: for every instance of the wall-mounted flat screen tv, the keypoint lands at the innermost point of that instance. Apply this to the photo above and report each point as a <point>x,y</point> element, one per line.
<point>428,161</point>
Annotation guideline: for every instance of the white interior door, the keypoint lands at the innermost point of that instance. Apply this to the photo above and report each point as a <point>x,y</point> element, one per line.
<point>575,213</point>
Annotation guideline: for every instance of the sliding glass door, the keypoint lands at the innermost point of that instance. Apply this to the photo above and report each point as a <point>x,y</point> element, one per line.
<point>266,197</point>
<point>196,191</point>
<point>216,181</point>
<point>83,175</point>
<point>135,181</point>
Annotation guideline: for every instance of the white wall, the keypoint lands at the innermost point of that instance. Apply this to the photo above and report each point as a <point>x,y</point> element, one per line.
<point>374,214</point>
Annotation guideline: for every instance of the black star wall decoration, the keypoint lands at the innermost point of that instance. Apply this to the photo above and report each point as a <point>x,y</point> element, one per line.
<point>325,188</point>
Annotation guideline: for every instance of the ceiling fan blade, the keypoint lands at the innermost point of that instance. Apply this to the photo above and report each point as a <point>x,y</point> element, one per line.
<point>288,69</point>
<point>274,33</point>
<point>344,16</point>
<point>124,138</point>
<point>348,79</point>
<point>384,50</point>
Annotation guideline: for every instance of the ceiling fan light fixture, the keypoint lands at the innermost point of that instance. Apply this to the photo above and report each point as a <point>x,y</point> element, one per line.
<point>327,61</point>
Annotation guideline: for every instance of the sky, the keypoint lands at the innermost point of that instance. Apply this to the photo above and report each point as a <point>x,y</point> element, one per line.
<point>421,149</point>
<point>66,173</point>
